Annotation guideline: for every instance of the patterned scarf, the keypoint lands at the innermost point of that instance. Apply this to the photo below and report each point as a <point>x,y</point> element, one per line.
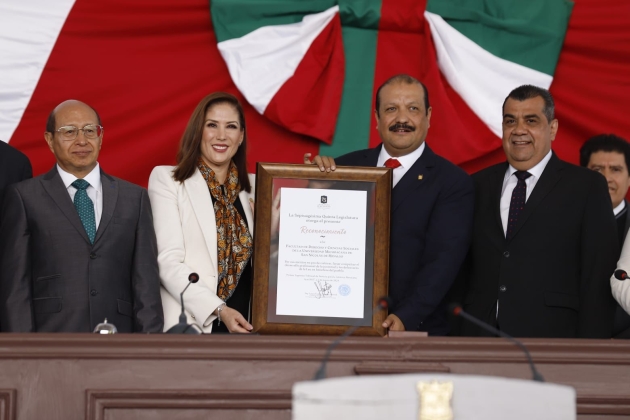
<point>234,243</point>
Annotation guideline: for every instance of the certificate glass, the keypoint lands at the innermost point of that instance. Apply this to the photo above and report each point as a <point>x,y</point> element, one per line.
<point>321,249</point>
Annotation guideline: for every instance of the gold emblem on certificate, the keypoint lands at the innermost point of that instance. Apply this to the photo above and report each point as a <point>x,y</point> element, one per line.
<point>435,400</point>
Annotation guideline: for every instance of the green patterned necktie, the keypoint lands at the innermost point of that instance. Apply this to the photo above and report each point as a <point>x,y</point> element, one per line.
<point>85,207</point>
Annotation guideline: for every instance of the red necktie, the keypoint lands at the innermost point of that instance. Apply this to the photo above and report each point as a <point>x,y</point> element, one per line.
<point>392,163</point>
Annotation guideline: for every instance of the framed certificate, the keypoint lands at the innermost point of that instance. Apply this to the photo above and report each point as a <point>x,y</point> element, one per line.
<point>321,249</point>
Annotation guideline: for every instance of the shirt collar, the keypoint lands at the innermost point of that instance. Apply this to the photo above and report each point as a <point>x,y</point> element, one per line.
<point>620,207</point>
<point>406,161</point>
<point>94,177</point>
<point>536,171</point>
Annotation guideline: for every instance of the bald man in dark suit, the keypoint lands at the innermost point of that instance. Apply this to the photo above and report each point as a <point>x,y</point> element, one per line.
<point>77,245</point>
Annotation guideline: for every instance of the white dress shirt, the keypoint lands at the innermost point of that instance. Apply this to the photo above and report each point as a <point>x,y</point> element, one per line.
<point>620,207</point>
<point>510,181</point>
<point>94,191</point>
<point>406,162</point>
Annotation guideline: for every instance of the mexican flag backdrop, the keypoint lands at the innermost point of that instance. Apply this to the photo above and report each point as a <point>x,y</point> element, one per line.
<point>307,71</point>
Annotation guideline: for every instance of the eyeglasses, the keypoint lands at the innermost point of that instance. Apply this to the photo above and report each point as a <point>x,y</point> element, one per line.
<point>70,132</point>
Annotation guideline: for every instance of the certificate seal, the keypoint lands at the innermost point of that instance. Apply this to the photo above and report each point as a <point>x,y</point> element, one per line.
<point>344,290</point>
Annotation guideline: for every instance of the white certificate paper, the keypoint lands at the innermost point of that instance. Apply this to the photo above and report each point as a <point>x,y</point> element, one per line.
<point>321,254</point>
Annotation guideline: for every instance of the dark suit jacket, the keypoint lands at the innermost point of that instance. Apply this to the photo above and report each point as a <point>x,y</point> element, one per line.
<point>431,222</point>
<point>14,167</point>
<point>54,280</point>
<point>552,278</point>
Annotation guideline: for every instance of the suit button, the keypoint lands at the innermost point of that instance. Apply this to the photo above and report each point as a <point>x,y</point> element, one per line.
<point>506,254</point>
<point>502,288</point>
<point>93,255</point>
<point>93,292</point>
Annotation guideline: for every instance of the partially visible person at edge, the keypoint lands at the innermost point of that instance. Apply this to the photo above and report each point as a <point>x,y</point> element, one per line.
<point>431,207</point>
<point>14,167</point>
<point>210,179</point>
<point>609,155</point>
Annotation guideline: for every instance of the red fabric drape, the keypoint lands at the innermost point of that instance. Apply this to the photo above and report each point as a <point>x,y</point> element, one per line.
<point>154,61</point>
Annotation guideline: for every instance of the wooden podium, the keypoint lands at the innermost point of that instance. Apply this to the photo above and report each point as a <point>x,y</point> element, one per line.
<point>74,376</point>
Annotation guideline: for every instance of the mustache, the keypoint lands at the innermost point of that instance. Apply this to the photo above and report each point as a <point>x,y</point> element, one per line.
<point>402,126</point>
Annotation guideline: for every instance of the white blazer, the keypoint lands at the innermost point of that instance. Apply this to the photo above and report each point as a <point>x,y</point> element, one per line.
<point>186,232</point>
<point>621,289</point>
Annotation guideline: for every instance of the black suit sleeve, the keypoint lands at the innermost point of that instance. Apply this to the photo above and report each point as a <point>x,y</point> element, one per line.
<point>149,316</point>
<point>15,266</point>
<point>599,249</point>
<point>448,238</point>
<point>27,170</point>
<point>14,167</point>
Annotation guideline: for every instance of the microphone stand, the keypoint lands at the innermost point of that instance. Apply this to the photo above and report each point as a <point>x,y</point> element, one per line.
<point>458,311</point>
<point>321,372</point>
<point>383,303</point>
<point>182,327</point>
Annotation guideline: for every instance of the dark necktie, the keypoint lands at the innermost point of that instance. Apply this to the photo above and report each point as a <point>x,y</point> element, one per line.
<point>518,201</point>
<point>85,208</point>
<point>392,163</point>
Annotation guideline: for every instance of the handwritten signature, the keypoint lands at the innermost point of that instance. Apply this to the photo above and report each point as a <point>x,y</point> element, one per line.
<point>324,289</point>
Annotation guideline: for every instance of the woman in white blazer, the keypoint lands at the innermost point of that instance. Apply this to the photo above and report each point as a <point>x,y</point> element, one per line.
<point>204,222</point>
<point>621,288</point>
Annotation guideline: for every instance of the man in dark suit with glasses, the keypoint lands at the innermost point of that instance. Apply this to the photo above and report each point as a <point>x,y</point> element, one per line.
<point>76,244</point>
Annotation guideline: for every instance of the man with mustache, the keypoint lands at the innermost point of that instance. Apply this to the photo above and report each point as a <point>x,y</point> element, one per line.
<point>431,207</point>
<point>76,244</point>
<point>544,236</point>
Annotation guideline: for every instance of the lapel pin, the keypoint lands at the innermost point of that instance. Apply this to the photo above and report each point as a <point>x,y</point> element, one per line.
<point>420,177</point>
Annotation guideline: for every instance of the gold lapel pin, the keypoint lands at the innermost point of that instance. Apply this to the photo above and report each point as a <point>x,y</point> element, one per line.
<point>420,176</point>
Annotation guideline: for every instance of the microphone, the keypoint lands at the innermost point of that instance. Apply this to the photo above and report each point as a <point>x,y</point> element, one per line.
<point>182,327</point>
<point>621,274</point>
<point>457,310</point>
<point>382,304</point>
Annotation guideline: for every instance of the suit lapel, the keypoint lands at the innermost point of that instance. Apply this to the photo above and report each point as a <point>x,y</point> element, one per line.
<point>549,178</point>
<point>496,234</point>
<point>411,180</point>
<point>53,185</point>
<point>199,196</point>
<point>110,197</point>
<point>497,187</point>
